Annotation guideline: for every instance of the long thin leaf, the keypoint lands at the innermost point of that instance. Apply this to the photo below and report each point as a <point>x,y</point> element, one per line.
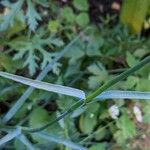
<point>118,78</point>
<point>94,94</point>
<point>26,142</point>
<point>45,86</point>
<point>10,136</point>
<point>116,94</point>
<point>12,111</point>
<point>55,139</point>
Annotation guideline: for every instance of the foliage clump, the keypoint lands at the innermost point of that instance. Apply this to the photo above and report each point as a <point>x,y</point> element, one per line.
<point>56,40</point>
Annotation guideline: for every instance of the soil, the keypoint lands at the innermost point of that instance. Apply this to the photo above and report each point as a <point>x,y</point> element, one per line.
<point>101,8</point>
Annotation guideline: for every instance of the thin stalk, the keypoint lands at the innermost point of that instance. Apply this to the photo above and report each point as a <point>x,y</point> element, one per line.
<point>93,95</point>
<point>117,79</point>
<point>71,109</point>
<point>40,77</point>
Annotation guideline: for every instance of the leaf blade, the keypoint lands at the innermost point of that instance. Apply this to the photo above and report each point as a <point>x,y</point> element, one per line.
<point>45,86</point>
<point>117,94</point>
<point>10,136</point>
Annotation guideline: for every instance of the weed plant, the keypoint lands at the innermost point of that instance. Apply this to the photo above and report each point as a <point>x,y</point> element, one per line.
<point>96,80</point>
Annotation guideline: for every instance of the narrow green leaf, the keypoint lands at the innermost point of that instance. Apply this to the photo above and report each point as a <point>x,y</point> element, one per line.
<point>10,136</point>
<point>116,94</point>
<point>45,86</point>
<point>41,76</point>
<point>94,94</point>
<point>117,79</point>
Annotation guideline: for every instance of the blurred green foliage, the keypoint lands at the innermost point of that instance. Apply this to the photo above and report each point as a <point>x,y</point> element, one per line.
<point>33,32</point>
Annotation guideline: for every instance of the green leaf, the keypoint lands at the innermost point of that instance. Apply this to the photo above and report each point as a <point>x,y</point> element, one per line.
<point>33,50</point>
<point>96,68</point>
<point>17,27</point>
<point>22,112</point>
<point>131,82</point>
<point>82,5</point>
<point>68,14</point>
<point>143,85</point>
<point>116,94</point>
<point>76,52</point>
<point>82,19</point>
<point>94,44</point>
<point>53,25</point>
<point>101,133</point>
<point>6,63</point>
<point>45,86</point>
<point>100,75</point>
<point>36,121</point>
<point>12,111</point>
<point>120,141</point>
<point>9,18</point>
<point>141,52</point>
<point>93,108</point>
<point>131,60</point>
<point>32,16</point>
<point>100,146</point>
<point>88,120</point>
<point>126,126</point>
<point>10,136</point>
<point>87,123</point>
<point>8,90</point>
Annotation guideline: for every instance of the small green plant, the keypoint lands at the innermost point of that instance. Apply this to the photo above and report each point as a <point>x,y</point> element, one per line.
<point>54,41</point>
<point>20,131</point>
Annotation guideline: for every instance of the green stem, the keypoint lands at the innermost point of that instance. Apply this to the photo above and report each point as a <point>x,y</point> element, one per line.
<point>71,109</point>
<point>117,79</point>
<point>93,95</point>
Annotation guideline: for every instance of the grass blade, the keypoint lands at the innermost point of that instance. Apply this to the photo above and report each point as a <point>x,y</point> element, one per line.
<point>45,86</point>
<point>116,94</point>
<point>41,76</point>
<point>117,79</point>
<point>10,136</point>
<point>55,139</point>
<point>93,95</point>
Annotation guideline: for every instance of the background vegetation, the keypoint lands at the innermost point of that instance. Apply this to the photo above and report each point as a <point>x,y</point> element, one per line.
<point>81,44</point>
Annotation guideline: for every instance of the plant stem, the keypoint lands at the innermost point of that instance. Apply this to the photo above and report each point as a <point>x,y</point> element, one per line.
<point>40,77</point>
<point>71,109</point>
<point>93,95</point>
<point>117,79</point>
